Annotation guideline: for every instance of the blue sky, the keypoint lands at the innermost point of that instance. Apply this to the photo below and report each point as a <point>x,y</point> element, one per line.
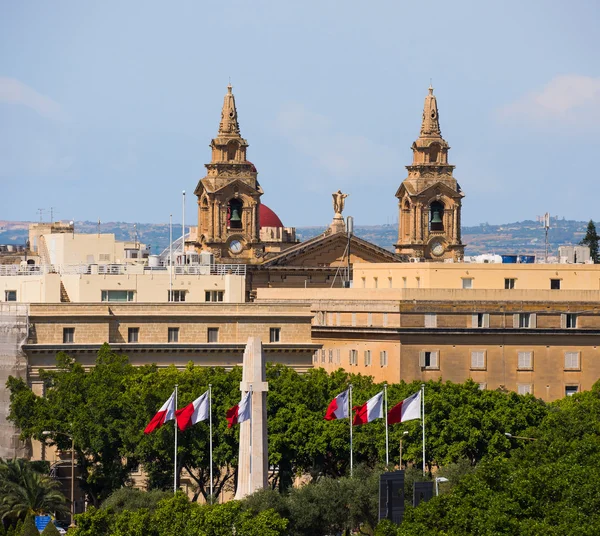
<point>107,108</point>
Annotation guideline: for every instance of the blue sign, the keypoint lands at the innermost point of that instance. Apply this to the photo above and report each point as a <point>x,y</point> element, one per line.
<point>41,522</point>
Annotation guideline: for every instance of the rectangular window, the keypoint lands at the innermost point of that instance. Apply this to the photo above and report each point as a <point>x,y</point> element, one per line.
<point>323,357</point>
<point>430,320</point>
<point>429,360</point>
<point>555,284</point>
<point>568,321</point>
<point>212,334</point>
<point>133,334</point>
<point>509,283</point>
<point>525,361</point>
<point>338,357</point>
<point>117,295</point>
<point>572,361</point>
<point>274,334</point>
<point>480,320</point>
<point>570,390</point>
<point>316,357</point>
<point>353,357</point>
<point>478,359</point>
<point>177,295</point>
<point>367,358</point>
<point>173,335</point>
<point>467,282</point>
<point>383,360</point>
<point>524,320</point>
<point>10,295</point>
<point>331,357</point>
<point>524,389</point>
<point>369,319</point>
<point>68,335</point>
<point>214,295</point>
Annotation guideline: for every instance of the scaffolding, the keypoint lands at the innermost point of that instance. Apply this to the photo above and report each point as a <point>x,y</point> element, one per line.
<point>14,329</point>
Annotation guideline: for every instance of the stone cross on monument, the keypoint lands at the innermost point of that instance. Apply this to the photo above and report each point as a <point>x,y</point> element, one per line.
<point>253,461</point>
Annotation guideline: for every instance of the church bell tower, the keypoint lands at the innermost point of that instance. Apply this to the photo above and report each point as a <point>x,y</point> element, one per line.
<point>229,195</point>
<point>430,198</point>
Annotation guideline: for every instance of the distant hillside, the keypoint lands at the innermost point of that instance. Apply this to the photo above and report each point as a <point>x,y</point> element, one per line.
<point>526,237</point>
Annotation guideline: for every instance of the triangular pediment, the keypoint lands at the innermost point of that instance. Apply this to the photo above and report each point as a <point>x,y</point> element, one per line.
<point>437,188</point>
<point>222,186</point>
<point>330,250</point>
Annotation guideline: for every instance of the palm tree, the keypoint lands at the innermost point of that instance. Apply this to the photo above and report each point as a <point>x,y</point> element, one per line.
<point>25,491</point>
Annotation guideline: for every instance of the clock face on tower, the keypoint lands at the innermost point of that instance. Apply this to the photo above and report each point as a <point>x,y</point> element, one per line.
<point>437,248</point>
<point>235,246</point>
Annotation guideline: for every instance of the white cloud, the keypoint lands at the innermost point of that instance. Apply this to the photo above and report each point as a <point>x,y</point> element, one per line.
<point>339,155</point>
<point>16,92</point>
<point>567,100</point>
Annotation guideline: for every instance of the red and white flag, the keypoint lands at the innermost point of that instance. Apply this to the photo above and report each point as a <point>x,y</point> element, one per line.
<point>165,413</point>
<point>193,413</point>
<point>407,410</point>
<point>370,411</point>
<point>338,407</point>
<point>240,412</point>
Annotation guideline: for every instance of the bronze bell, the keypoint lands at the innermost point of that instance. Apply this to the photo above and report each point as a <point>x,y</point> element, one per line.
<point>436,217</point>
<point>235,216</point>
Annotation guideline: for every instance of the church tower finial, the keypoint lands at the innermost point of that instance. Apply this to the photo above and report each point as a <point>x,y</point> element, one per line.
<point>430,126</point>
<point>229,125</point>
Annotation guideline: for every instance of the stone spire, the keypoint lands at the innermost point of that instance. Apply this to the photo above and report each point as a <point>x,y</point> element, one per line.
<point>431,125</point>
<point>229,125</point>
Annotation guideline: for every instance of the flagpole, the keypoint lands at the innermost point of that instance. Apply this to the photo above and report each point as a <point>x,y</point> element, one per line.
<point>250,432</point>
<point>175,457</point>
<point>423,412</point>
<point>387,437</point>
<point>170,257</point>
<point>350,420</point>
<point>210,439</point>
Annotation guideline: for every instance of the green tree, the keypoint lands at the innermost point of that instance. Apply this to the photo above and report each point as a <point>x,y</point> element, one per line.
<point>50,530</point>
<point>29,528</point>
<point>25,491</point>
<point>591,240</point>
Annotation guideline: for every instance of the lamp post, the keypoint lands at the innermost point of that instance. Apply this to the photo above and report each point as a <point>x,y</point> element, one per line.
<point>401,438</point>
<point>437,484</point>
<point>49,433</point>
<point>510,436</point>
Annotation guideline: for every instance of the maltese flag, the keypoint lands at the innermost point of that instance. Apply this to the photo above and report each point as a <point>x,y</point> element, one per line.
<point>193,413</point>
<point>407,410</point>
<point>240,412</point>
<point>338,407</point>
<point>370,411</point>
<point>165,413</point>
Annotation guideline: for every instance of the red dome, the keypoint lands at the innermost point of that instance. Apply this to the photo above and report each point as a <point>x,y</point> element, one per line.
<point>268,218</point>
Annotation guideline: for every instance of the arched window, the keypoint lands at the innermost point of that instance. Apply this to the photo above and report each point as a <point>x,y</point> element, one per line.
<point>406,220</point>
<point>232,148</point>
<point>434,152</point>
<point>234,214</point>
<point>436,216</point>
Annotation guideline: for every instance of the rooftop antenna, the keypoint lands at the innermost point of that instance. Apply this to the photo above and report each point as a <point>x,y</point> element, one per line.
<point>53,211</point>
<point>545,219</point>
<point>41,213</point>
<point>98,226</point>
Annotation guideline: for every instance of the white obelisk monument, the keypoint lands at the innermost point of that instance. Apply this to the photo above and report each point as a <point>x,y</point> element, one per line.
<point>253,464</point>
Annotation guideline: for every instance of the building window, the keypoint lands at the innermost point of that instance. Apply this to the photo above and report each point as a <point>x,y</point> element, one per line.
<point>385,320</point>
<point>525,361</point>
<point>429,360</point>
<point>133,334</point>
<point>68,335</point>
<point>323,357</point>
<point>316,357</point>
<point>274,334</point>
<point>570,390</point>
<point>568,321</point>
<point>478,359</point>
<point>353,319</point>
<point>369,319</point>
<point>10,295</point>
<point>383,361</point>
<point>173,335</point>
<point>467,282</point>
<point>430,320</point>
<point>524,320</point>
<point>212,334</point>
<point>555,284</point>
<point>572,361</point>
<point>353,357</point>
<point>338,357</point>
<point>480,320</point>
<point>177,295</point>
<point>331,357</point>
<point>509,283</point>
<point>214,295</point>
<point>117,295</point>
<point>367,358</point>
<point>524,389</point>
<point>375,282</point>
